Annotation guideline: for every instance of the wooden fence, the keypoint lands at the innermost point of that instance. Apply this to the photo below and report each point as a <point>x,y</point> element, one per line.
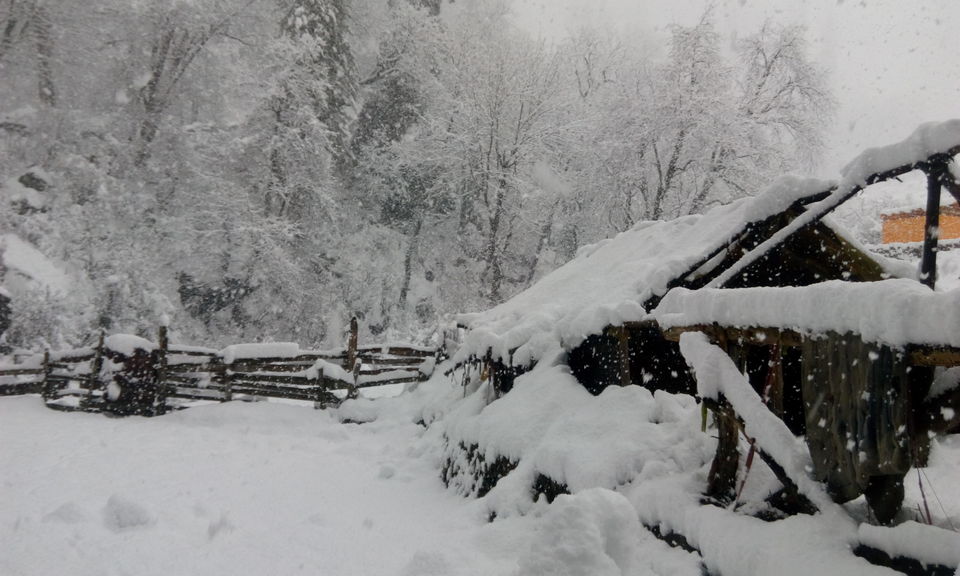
<point>128,375</point>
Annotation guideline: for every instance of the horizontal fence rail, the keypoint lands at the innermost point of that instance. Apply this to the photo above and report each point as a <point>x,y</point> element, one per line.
<point>129,375</point>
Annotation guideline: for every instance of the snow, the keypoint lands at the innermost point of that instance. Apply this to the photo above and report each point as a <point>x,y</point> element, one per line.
<point>12,191</point>
<point>597,532</point>
<point>198,492</point>
<point>896,312</point>
<point>928,139</point>
<point>236,352</point>
<point>23,258</point>
<point>330,370</point>
<point>914,540</point>
<point>126,344</point>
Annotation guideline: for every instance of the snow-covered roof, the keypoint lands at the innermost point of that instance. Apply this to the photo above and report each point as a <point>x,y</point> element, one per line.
<point>609,282</point>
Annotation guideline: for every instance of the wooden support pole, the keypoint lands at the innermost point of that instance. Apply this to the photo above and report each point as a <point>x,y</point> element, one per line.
<point>931,229</point>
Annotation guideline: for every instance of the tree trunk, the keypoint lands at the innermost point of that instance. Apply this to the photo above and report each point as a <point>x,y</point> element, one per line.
<point>408,261</point>
<point>44,43</point>
<point>493,273</point>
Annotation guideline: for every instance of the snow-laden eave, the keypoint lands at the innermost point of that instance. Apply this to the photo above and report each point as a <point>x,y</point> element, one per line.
<point>898,312</point>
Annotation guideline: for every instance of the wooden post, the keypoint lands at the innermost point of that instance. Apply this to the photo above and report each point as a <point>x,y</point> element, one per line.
<point>931,229</point>
<point>94,384</point>
<point>352,344</point>
<point>160,370</point>
<point>48,391</point>
<point>353,365</point>
<point>318,401</point>
<point>227,393</point>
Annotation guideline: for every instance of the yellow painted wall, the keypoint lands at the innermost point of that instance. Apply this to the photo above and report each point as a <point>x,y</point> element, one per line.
<point>908,227</point>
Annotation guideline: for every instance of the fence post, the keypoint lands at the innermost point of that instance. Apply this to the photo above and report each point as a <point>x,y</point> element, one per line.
<point>48,392</point>
<point>160,370</point>
<point>93,383</point>
<point>318,401</point>
<point>353,364</point>
<point>352,344</point>
<point>225,382</point>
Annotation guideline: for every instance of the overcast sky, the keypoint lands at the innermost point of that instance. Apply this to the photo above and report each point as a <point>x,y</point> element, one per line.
<point>893,63</point>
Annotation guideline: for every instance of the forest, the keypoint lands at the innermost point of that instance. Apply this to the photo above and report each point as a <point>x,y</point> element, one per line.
<point>257,170</point>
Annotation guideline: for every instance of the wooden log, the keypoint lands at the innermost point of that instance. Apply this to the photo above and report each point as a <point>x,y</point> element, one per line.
<point>743,335</point>
<point>374,371</point>
<point>270,391</point>
<point>20,388</point>
<point>174,350</point>
<point>934,356</point>
<point>67,357</point>
<point>396,351</point>
<point>387,382</point>
<point>393,361</point>
<point>22,372</point>
<point>270,367</point>
<point>211,368</point>
<point>270,378</point>
<point>194,394</point>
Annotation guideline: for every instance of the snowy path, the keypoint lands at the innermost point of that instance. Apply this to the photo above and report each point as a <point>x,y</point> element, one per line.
<point>233,489</point>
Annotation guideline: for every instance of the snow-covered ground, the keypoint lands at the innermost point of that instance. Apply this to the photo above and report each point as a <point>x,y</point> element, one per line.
<point>264,488</point>
<point>233,489</point>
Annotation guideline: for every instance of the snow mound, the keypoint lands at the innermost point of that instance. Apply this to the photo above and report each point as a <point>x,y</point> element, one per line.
<point>597,532</point>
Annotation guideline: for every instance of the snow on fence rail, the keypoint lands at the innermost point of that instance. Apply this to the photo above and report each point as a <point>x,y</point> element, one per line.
<point>131,375</point>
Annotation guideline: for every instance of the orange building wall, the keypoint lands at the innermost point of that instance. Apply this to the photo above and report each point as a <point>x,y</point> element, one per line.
<point>908,226</point>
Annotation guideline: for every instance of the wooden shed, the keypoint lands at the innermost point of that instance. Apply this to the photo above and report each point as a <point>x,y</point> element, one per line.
<point>615,312</point>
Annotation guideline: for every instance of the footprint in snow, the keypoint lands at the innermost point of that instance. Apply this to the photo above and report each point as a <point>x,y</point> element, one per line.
<point>428,564</point>
<point>386,472</point>
<point>121,514</point>
<point>68,513</point>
